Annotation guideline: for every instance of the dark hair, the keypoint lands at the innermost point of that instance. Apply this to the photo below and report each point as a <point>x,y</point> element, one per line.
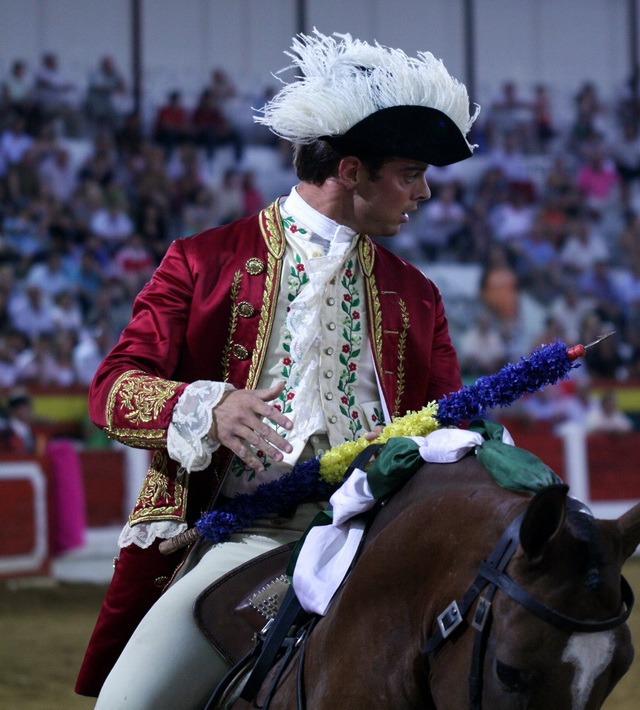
<point>317,161</point>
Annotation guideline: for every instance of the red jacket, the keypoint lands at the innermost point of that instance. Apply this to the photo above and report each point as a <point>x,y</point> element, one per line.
<point>207,314</point>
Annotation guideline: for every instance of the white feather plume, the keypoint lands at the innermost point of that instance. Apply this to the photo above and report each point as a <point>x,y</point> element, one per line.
<point>342,81</point>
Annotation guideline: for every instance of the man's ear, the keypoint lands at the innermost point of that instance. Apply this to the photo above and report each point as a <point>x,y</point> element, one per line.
<point>350,171</point>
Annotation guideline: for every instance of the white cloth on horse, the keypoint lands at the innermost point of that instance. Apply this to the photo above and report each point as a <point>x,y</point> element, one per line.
<point>328,550</point>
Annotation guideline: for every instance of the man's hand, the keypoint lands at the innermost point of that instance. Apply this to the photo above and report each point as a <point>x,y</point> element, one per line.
<point>237,422</point>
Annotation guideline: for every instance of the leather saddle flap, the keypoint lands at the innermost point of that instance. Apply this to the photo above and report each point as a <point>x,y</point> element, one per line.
<point>231,610</point>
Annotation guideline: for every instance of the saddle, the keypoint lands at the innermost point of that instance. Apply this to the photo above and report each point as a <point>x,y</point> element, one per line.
<point>235,608</point>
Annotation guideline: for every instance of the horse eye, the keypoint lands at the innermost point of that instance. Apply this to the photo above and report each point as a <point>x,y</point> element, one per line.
<point>514,680</point>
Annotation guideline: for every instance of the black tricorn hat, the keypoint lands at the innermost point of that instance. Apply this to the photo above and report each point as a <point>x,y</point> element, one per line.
<point>371,99</point>
<point>414,132</point>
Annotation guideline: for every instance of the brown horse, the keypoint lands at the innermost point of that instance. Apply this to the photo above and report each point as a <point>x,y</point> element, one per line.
<point>381,644</point>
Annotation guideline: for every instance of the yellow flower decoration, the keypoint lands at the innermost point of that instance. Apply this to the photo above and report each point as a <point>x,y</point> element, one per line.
<point>334,462</point>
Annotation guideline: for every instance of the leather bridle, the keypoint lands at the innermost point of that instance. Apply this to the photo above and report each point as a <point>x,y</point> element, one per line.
<point>491,577</point>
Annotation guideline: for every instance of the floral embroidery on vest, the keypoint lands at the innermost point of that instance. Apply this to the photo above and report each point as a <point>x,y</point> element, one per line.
<point>351,332</point>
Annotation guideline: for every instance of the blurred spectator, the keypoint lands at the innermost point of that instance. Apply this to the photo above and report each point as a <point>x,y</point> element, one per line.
<point>570,309</point>
<point>509,114</point>
<point>14,143</point>
<point>106,86</point>
<point>20,420</point>
<point>31,312</point>
<point>200,212</point>
<point>172,123</point>
<point>229,197</point>
<point>599,284</point>
<point>606,416</point>
<point>583,247</point>
<point>482,350</point>
<point>510,158</point>
<point>626,156</point>
<point>56,95</point>
<point>212,128</point>
<point>112,222</point>
<point>51,276</point>
<point>133,263</point>
<point>66,313</point>
<point>597,178</point>
<point>253,198</point>
<point>17,89</point>
<point>499,285</point>
<point>92,347</point>
<point>544,130</point>
<point>441,225</point>
<point>514,218</point>
<point>589,122</point>
<point>605,360</point>
<point>58,173</point>
<point>37,363</point>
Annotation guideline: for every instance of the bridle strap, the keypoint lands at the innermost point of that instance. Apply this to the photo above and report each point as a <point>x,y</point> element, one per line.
<point>492,574</point>
<point>454,614</point>
<point>551,616</point>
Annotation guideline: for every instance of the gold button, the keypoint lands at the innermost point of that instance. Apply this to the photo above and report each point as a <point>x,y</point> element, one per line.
<point>328,396</point>
<point>330,301</point>
<point>240,351</point>
<point>254,266</point>
<point>329,351</point>
<point>333,419</point>
<point>245,309</point>
<point>161,582</point>
<point>328,374</point>
<point>316,254</point>
<point>331,326</point>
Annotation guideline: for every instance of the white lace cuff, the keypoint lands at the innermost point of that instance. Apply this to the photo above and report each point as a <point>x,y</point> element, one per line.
<point>144,534</point>
<point>188,442</point>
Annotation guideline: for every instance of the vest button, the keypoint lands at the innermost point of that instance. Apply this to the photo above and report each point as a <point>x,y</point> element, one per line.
<point>329,396</point>
<point>245,309</point>
<point>328,374</point>
<point>331,326</point>
<point>331,301</point>
<point>329,351</point>
<point>254,266</point>
<point>240,352</point>
<point>333,419</point>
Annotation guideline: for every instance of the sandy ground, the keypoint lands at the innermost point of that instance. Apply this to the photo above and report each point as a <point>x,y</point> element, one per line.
<point>44,630</point>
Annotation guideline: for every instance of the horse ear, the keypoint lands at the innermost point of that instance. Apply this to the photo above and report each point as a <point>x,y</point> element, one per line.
<point>543,519</point>
<point>629,527</point>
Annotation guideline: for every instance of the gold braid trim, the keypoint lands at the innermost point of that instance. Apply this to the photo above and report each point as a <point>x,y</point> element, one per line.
<point>161,498</point>
<point>142,398</point>
<point>273,234</point>
<point>402,347</point>
<point>235,289</point>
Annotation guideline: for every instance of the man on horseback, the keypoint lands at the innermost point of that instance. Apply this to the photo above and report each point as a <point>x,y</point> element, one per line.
<point>267,341</point>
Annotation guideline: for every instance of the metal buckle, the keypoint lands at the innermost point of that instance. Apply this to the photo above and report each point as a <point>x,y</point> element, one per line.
<point>481,614</point>
<point>449,619</point>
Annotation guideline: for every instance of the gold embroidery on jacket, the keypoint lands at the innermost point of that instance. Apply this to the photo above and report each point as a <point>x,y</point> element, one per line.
<point>367,255</point>
<point>235,290</point>
<point>141,398</point>
<point>273,234</point>
<point>161,497</point>
<point>402,347</point>
<point>144,397</point>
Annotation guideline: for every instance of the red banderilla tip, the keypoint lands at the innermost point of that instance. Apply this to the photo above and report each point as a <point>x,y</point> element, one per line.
<point>573,353</point>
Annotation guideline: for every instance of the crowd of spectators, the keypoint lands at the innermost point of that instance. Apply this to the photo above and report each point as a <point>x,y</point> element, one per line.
<point>552,215</point>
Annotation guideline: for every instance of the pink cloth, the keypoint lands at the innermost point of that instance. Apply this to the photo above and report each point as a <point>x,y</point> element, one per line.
<point>68,515</point>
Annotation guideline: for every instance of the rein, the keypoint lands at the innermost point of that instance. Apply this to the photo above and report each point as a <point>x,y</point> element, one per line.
<point>492,576</point>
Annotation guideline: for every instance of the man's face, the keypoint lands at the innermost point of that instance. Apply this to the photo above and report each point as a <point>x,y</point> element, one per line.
<point>382,205</point>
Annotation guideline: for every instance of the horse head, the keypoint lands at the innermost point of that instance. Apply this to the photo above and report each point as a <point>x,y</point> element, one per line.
<point>471,596</point>
<point>557,634</point>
